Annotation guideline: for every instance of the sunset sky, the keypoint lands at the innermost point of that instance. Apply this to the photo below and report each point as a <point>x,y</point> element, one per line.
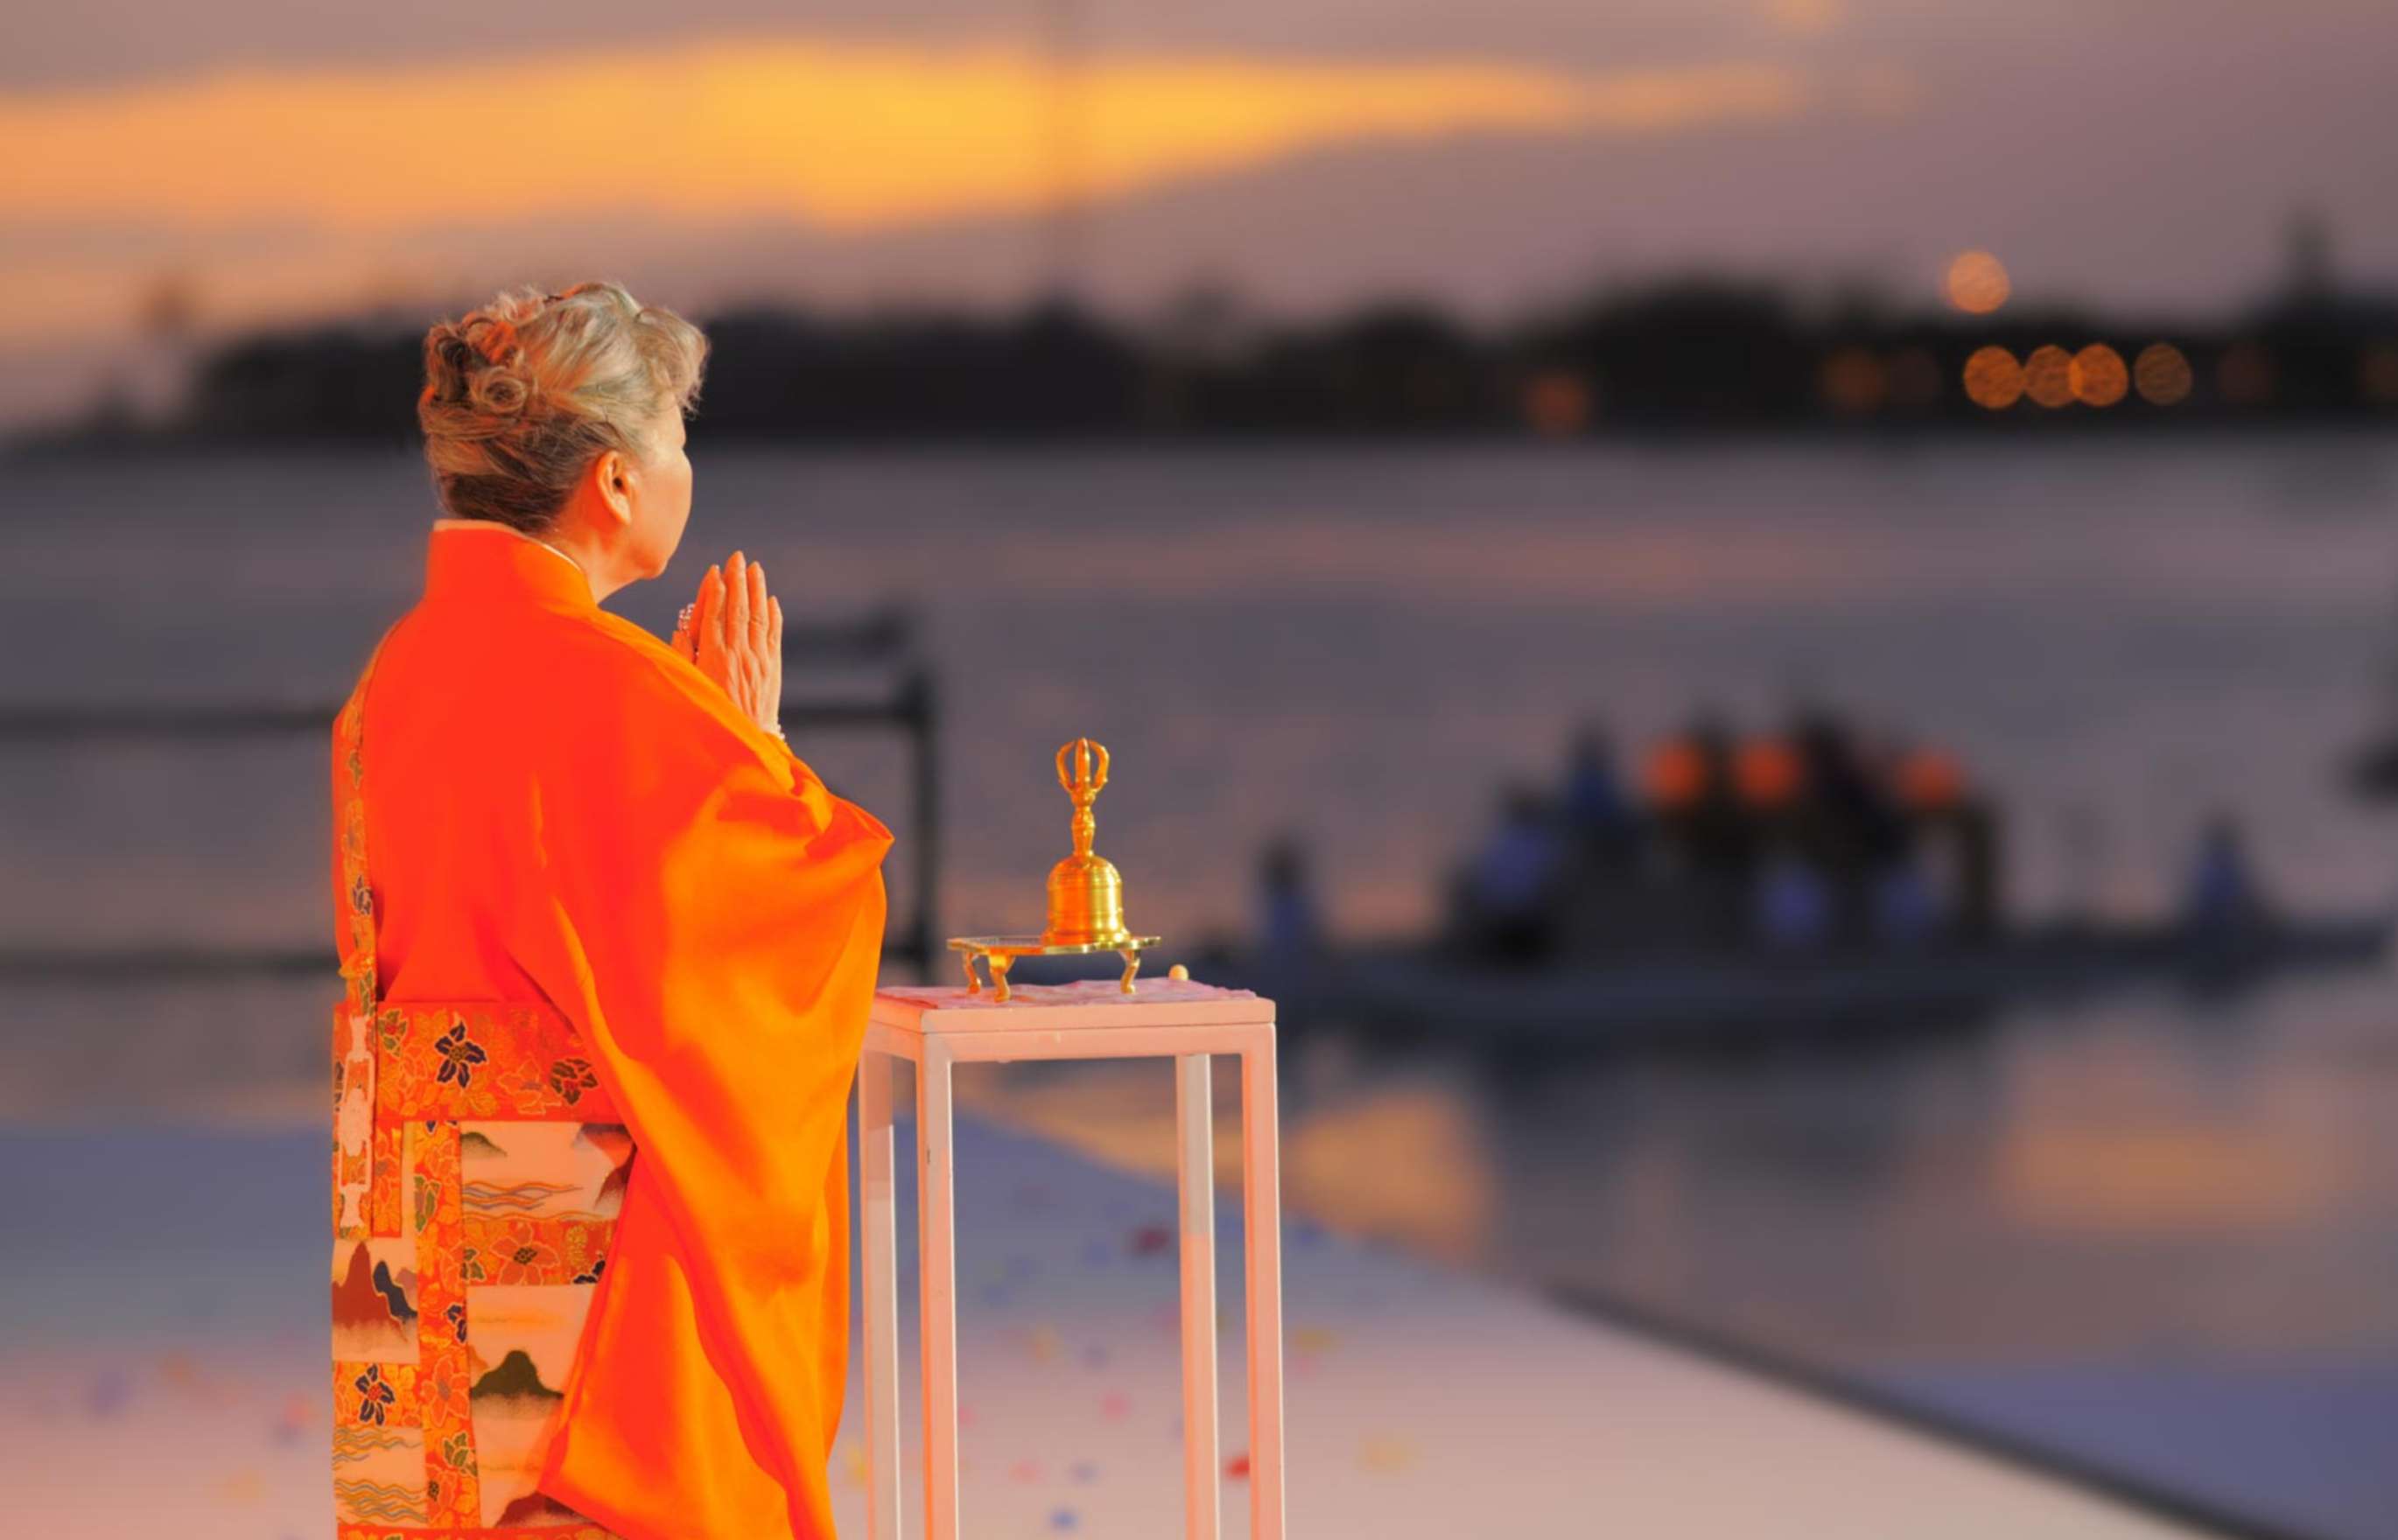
<point>263,157</point>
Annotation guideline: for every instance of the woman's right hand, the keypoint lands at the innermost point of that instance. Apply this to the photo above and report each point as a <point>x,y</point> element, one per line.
<point>737,628</point>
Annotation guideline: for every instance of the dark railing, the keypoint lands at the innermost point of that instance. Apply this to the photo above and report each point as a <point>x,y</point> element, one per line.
<point>908,704</point>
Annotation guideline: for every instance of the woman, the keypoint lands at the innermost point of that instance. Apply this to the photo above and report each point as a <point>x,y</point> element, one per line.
<point>608,947</point>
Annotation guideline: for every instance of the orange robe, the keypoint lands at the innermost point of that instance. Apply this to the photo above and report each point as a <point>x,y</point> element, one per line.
<point>558,807</point>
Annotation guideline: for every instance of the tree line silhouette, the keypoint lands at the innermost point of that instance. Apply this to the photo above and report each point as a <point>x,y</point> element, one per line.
<point>1683,355</point>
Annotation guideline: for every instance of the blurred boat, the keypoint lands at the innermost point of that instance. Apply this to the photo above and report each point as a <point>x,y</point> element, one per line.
<point>1422,990</point>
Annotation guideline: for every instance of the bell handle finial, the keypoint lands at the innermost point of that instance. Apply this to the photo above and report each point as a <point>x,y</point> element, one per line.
<point>1080,781</point>
<point>1083,783</point>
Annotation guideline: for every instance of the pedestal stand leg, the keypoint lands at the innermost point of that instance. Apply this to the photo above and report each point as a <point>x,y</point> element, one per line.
<point>1261,1226</point>
<point>1195,1125</point>
<point>878,1264</point>
<point>937,1253</point>
<point>1132,966</point>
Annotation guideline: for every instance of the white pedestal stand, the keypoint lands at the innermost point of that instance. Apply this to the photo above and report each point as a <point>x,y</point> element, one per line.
<point>935,1028</point>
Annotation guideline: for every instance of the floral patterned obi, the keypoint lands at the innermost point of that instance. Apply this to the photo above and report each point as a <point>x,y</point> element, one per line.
<point>464,1265</point>
<point>477,1171</point>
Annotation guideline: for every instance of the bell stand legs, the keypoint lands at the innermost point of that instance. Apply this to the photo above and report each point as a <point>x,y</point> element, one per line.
<point>1196,1161</point>
<point>936,1295</point>
<point>937,1284</point>
<point>878,1264</point>
<point>1261,1236</point>
<point>998,962</point>
<point>1261,1227</point>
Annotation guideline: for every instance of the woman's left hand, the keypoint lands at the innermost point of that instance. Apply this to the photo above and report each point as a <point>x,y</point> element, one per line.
<point>737,636</point>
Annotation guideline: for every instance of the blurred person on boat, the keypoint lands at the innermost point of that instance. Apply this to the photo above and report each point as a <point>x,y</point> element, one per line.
<point>1608,902</point>
<point>1709,841</point>
<point>2224,903</point>
<point>1792,913</point>
<point>1955,826</point>
<point>1907,910</point>
<point>1512,887</point>
<point>1847,825</point>
<point>1290,931</point>
<point>1605,824</point>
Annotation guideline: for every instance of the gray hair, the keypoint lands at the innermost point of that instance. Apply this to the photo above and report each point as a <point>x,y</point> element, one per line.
<point>522,394</point>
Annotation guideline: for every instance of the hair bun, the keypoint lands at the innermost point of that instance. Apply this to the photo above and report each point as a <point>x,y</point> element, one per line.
<point>495,338</point>
<point>501,392</point>
<point>450,363</point>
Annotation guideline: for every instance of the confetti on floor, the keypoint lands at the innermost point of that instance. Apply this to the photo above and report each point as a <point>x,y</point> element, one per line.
<point>110,1392</point>
<point>1314,1339</point>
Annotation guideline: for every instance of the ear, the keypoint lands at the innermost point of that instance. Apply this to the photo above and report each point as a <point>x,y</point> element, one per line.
<point>613,473</point>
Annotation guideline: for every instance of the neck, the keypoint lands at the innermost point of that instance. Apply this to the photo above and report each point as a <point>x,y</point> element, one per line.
<point>578,547</point>
<point>593,538</point>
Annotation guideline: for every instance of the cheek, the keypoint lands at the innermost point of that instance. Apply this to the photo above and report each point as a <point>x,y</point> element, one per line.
<point>678,509</point>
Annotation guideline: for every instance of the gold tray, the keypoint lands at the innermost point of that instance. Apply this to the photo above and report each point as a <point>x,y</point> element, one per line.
<point>999,955</point>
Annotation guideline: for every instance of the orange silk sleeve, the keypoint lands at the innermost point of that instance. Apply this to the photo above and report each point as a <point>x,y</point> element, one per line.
<point>713,919</point>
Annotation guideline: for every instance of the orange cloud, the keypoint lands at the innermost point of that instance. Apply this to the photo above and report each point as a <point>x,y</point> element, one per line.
<point>851,136</point>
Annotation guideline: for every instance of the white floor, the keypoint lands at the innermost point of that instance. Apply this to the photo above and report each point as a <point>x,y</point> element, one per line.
<point>1421,1403</point>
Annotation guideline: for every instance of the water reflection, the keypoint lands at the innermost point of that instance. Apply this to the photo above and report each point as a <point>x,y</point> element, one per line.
<point>2093,1184</point>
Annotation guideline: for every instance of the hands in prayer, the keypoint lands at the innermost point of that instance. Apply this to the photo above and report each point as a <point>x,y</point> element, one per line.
<point>734,630</point>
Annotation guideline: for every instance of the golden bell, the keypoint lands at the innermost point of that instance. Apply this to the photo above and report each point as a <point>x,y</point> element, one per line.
<point>1085,891</point>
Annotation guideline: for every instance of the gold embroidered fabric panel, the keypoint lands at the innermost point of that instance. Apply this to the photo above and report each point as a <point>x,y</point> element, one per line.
<point>477,1171</point>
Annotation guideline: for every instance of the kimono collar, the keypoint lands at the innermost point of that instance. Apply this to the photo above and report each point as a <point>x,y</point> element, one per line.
<point>478,558</point>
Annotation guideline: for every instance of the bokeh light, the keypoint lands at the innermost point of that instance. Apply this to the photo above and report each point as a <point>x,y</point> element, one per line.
<point>1854,382</point>
<point>1993,379</point>
<point>2162,375</point>
<point>2097,376</point>
<point>1557,403</point>
<point>2048,377</point>
<point>2244,376</point>
<point>1977,283</point>
<point>2377,375</point>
